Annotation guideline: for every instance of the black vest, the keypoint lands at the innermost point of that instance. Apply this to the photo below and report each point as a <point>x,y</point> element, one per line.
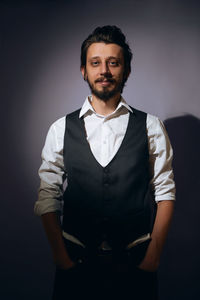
<point>110,203</point>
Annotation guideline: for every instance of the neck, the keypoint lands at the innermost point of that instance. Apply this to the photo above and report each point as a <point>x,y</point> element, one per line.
<point>105,108</point>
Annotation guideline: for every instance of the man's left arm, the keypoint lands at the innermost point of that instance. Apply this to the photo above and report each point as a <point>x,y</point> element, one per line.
<point>163,186</point>
<point>160,230</point>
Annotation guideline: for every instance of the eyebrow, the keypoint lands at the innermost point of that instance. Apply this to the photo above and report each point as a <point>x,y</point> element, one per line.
<point>109,57</point>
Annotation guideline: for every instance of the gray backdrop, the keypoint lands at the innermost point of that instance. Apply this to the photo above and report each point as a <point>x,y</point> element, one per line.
<point>41,82</point>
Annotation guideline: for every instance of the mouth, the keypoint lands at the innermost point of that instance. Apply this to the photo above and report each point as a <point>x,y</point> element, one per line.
<point>105,82</point>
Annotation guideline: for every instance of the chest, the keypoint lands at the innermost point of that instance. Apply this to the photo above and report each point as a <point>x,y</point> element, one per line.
<point>105,136</point>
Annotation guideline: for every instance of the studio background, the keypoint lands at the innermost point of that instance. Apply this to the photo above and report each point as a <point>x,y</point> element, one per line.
<point>41,82</point>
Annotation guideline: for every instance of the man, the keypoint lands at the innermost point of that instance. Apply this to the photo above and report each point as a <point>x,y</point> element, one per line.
<point>115,158</point>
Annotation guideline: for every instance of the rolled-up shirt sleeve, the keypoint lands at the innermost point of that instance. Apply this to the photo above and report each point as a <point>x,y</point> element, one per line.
<point>160,158</point>
<point>51,171</point>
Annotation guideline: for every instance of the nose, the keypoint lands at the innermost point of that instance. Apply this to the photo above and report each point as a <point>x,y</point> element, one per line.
<point>104,68</point>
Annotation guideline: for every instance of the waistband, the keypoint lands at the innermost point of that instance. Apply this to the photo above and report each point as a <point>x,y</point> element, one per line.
<point>104,254</point>
<point>105,245</point>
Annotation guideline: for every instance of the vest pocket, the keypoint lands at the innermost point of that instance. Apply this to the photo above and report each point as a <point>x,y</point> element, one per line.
<point>137,253</point>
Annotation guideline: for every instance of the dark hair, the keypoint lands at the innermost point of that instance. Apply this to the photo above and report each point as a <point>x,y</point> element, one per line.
<point>108,35</point>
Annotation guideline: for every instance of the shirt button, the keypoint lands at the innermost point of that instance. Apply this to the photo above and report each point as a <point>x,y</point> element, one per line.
<point>104,142</point>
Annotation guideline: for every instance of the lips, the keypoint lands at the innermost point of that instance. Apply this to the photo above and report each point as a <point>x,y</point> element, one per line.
<point>104,82</point>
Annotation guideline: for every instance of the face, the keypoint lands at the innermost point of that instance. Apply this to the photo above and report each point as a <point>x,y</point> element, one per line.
<point>104,70</point>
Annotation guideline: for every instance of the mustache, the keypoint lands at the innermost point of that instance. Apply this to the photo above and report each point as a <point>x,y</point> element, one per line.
<point>101,79</point>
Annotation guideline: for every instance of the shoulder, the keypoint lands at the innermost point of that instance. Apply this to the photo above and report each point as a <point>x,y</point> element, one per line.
<point>157,134</point>
<point>54,137</point>
<point>57,129</point>
<point>155,125</point>
<point>152,121</point>
<point>58,125</point>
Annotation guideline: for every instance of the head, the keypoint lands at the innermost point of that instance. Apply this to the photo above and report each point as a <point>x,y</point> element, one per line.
<point>106,61</point>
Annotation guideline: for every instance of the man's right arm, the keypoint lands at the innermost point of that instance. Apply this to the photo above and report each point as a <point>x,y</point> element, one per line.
<point>52,226</point>
<point>49,203</point>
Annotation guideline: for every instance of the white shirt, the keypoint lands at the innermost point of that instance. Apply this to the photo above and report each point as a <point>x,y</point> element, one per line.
<point>104,135</point>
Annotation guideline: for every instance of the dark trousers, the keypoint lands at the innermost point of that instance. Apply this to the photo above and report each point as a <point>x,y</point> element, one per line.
<point>103,278</point>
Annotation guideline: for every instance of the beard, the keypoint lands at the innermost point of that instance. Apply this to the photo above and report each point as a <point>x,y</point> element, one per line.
<point>105,94</point>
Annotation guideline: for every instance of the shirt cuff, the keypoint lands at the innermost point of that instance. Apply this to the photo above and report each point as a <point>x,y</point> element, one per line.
<point>48,205</point>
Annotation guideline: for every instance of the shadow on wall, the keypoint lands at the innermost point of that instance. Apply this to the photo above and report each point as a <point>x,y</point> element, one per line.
<point>180,267</point>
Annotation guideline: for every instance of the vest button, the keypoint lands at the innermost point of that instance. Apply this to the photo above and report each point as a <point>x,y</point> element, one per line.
<point>106,170</point>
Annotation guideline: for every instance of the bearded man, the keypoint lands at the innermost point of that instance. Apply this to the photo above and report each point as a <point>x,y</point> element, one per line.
<point>119,195</point>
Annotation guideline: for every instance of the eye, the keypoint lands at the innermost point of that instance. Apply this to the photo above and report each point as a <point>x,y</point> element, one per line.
<point>114,63</point>
<point>95,63</point>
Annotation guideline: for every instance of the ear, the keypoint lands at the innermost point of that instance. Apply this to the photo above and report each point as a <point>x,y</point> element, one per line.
<point>84,74</point>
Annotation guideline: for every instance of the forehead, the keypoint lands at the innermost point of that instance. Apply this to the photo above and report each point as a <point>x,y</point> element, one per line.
<point>103,50</point>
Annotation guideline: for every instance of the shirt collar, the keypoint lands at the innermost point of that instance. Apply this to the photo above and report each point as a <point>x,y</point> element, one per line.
<point>88,107</point>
